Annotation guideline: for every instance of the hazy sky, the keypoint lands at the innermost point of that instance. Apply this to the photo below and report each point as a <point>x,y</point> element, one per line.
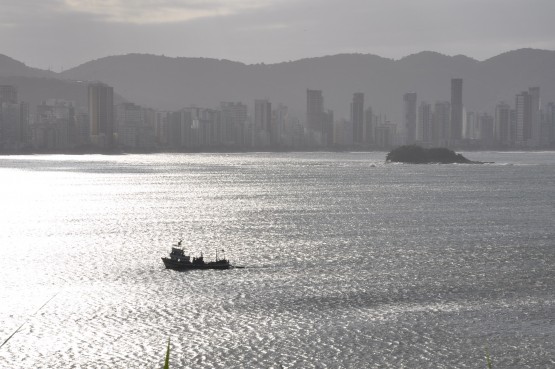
<point>65,33</point>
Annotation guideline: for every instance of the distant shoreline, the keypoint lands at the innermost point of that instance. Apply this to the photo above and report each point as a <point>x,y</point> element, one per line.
<point>233,151</point>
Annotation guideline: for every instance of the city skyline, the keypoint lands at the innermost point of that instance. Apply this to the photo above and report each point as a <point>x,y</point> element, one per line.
<point>172,83</point>
<point>104,125</point>
<point>342,101</point>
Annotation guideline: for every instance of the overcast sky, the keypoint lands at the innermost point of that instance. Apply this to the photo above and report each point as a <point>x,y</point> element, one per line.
<point>61,34</point>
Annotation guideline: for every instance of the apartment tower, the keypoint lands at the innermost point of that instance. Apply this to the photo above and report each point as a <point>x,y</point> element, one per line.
<point>101,115</point>
<point>455,131</point>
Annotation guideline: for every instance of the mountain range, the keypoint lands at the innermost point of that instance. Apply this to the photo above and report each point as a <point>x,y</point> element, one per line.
<point>167,83</point>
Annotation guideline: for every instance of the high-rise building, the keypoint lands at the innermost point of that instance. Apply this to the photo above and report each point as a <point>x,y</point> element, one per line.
<point>528,117</point>
<point>82,128</point>
<point>502,124</point>
<point>314,111</point>
<point>14,120</point>
<point>327,128</point>
<point>262,122</point>
<point>234,120</point>
<point>535,115</point>
<point>424,125</point>
<point>54,125</point>
<point>14,125</point>
<point>385,135</point>
<point>129,123</point>
<point>467,126</point>
<point>162,121</point>
<point>455,128</point>
<point>369,125</point>
<point>472,125</point>
<point>409,116</point>
<point>210,127</point>
<point>357,118</point>
<point>523,108</point>
<point>281,130</point>
<point>512,129</point>
<point>550,123</point>
<point>343,133</point>
<point>101,115</point>
<point>199,128</point>
<point>486,123</point>
<point>179,129</point>
<point>441,123</point>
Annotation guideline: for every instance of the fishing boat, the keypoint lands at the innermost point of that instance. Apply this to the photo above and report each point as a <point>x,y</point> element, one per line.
<point>178,260</point>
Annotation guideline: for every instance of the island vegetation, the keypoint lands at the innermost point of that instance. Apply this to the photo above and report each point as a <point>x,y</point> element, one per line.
<point>414,154</point>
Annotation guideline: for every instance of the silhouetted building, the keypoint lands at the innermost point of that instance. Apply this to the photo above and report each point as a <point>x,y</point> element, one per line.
<point>385,135</point>
<point>472,126</point>
<point>298,138</point>
<point>14,126</point>
<point>343,133</point>
<point>409,116</point>
<point>180,129</point>
<point>424,125</point>
<point>199,128</point>
<point>523,107</point>
<point>357,118</point>
<point>455,133</point>
<point>471,129</point>
<point>486,130</point>
<point>369,126</point>
<point>234,121</point>
<point>147,132</point>
<point>281,129</point>
<point>550,123</point>
<point>14,120</point>
<point>327,127</point>
<point>263,123</point>
<point>535,110</point>
<point>82,128</point>
<point>206,128</point>
<point>440,123</point>
<point>133,132</point>
<point>315,116</point>
<point>502,125</point>
<point>101,115</point>
<point>54,127</point>
<point>162,128</point>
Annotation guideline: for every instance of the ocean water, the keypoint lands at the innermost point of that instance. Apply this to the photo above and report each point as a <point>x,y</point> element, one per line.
<point>349,262</point>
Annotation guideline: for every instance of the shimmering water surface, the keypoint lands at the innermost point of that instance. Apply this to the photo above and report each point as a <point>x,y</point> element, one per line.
<point>350,263</point>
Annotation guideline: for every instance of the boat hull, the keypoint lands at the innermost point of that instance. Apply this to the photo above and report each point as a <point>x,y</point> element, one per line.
<point>186,265</point>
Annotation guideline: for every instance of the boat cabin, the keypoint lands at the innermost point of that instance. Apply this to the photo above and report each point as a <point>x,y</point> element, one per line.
<point>179,255</point>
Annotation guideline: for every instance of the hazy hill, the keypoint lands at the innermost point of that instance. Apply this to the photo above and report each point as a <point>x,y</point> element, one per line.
<point>172,83</point>
<point>10,67</point>
<point>34,90</point>
<point>36,85</point>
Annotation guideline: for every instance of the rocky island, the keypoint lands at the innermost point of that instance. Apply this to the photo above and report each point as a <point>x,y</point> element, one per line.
<point>414,154</point>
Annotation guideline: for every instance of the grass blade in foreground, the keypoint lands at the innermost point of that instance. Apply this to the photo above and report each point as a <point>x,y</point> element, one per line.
<point>488,359</point>
<point>167,362</point>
